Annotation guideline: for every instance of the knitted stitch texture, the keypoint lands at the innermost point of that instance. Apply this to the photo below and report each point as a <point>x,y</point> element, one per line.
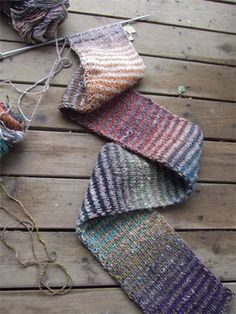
<point>119,221</point>
<point>109,65</point>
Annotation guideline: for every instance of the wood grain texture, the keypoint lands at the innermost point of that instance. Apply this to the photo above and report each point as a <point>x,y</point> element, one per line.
<point>199,14</point>
<point>171,42</point>
<point>216,249</point>
<point>163,76</point>
<point>65,154</point>
<point>82,301</point>
<point>55,204</point>
<point>174,55</point>
<point>218,161</point>
<point>216,119</point>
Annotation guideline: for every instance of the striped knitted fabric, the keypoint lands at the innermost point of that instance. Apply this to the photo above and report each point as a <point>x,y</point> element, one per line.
<point>109,65</point>
<point>118,222</point>
<point>153,162</point>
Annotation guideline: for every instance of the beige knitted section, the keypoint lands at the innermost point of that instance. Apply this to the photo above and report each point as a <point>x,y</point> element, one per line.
<point>109,66</point>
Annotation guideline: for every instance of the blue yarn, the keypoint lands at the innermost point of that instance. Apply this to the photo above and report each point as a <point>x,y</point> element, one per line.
<point>4,147</point>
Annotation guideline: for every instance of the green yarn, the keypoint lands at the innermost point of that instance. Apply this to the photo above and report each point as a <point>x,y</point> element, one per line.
<point>4,147</point>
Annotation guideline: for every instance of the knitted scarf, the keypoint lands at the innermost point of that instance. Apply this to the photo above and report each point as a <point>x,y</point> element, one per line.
<point>153,162</point>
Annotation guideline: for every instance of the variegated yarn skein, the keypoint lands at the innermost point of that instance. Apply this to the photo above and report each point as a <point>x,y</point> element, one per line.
<point>11,130</point>
<point>36,20</point>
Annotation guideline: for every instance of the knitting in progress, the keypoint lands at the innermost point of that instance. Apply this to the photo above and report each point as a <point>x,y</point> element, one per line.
<point>153,162</point>
<point>36,20</point>
<point>109,65</point>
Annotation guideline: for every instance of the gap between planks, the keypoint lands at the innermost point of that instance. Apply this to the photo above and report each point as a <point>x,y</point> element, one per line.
<point>199,14</point>
<point>53,197</point>
<point>216,249</point>
<point>224,1</point>
<point>163,75</point>
<point>45,194</point>
<point>153,93</point>
<point>88,177</point>
<point>216,119</point>
<point>95,303</point>
<point>74,154</point>
<point>83,301</point>
<point>166,42</point>
<point>170,42</point>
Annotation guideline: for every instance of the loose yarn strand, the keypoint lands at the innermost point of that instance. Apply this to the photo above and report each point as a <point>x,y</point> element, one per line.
<point>42,266</point>
<point>10,136</point>
<point>15,126</point>
<point>18,89</point>
<point>59,63</point>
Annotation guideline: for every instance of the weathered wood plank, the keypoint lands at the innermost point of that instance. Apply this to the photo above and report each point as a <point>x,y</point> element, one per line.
<point>216,249</point>
<point>171,42</point>
<point>199,14</point>
<point>53,154</point>
<point>220,159</point>
<point>82,301</point>
<point>216,119</point>
<point>162,75</point>
<point>73,155</point>
<point>57,202</point>
<point>200,80</point>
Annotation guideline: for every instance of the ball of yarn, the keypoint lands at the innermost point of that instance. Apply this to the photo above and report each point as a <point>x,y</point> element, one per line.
<point>37,20</point>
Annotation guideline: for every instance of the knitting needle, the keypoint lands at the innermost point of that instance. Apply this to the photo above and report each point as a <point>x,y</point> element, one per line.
<point>143,17</point>
<point>4,55</point>
<point>10,53</point>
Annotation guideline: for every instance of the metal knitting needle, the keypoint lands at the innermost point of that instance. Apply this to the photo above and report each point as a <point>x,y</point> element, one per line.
<point>4,55</point>
<point>143,17</point>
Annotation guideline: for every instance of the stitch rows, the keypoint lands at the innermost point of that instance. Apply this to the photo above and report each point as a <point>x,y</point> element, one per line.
<point>153,163</point>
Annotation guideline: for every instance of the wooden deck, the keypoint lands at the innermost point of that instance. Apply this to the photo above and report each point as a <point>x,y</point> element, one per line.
<point>190,43</point>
